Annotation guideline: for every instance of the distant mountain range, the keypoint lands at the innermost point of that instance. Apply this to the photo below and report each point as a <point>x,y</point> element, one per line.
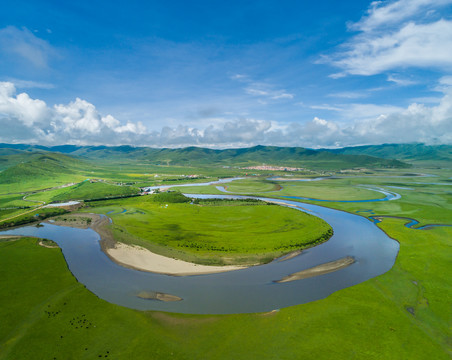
<point>196,156</point>
<point>405,152</point>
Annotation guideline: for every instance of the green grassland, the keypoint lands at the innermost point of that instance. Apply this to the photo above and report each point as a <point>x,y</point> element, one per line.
<point>415,153</point>
<point>402,314</point>
<point>85,190</point>
<point>429,204</point>
<point>327,191</point>
<point>8,201</point>
<point>196,156</point>
<point>4,214</point>
<point>337,189</point>
<point>41,171</point>
<point>340,190</point>
<point>31,215</point>
<point>219,232</point>
<point>367,321</point>
<point>251,186</point>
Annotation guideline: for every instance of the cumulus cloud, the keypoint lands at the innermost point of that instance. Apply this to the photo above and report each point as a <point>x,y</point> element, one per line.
<point>396,35</point>
<point>32,120</point>
<point>21,108</point>
<point>23,119</point>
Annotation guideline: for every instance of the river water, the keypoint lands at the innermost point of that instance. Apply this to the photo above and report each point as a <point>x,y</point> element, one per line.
<point>242,291</point>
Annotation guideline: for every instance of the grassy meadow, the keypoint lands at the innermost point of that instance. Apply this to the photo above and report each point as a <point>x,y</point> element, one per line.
<point>402,314</point>
<point>85,190</point>
<point>329,189</point>
<point>213,232</point>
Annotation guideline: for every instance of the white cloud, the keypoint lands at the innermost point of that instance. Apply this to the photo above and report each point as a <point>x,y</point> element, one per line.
<point>349,95</point>
<point>396,35</point>
<point>239,77</point>
<point>387,13</point>
<point>31,120</point>
<point>23,119</point>
<point>21,107</point>
<point>283,95</point>
<point>110,121</point>
<point>262,89</point>
<point>446,80</point>
<point>79,115</point>
<point>326,107</point>
<point>427,100</point>
<point>399,81</point>
<point>23,44</point>
<point>366,111</point>
<point>425,45</point>
<point>130,127</point>
<point>29,84</point>
<point>358,111</point>
<point>257,90</point>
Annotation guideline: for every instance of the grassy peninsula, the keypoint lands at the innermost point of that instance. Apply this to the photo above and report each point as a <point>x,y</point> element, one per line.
<point>212,232</point>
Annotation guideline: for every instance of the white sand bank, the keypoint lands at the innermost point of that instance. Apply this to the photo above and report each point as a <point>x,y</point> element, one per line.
<point>140,258</point>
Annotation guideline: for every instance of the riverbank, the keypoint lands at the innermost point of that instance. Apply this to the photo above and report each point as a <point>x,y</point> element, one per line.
<point>133,256</point>
<point>139,258</point>
<point>212,232</point>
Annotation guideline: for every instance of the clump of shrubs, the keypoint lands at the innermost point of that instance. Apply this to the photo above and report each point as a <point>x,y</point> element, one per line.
<point>172,197</point>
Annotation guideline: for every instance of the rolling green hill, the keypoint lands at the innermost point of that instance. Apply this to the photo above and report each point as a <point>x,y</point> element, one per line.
<point>41,166</point>
<point>404,152</point>
<point>85,190</point>
<point>196,156</point>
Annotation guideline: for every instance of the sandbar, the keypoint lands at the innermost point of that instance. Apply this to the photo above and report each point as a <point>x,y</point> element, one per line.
<point>11,236</point>
<point>290,255</point>
<point>322,269</point>
<point>153,295</point>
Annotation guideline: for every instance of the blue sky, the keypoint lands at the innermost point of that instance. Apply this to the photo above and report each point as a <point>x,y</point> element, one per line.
<point>226,74</point>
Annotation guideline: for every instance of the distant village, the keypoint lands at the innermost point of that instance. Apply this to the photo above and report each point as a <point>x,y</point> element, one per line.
<point>273,168</point>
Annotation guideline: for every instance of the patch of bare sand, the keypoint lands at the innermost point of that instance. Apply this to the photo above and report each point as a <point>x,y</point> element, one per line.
<point>41,243</point>
<point>140,258</point>
<point>269,313</point>
<point>319,269</point>
<point>15,237</point>
<point>290,255</point>
<point>286,204</point>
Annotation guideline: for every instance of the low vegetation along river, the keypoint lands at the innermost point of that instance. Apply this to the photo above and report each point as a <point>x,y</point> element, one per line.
<point>358,247</point>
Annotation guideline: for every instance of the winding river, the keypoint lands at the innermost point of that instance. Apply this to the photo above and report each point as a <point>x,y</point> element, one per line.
<point>247,290</point>
<point>389,195</point>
